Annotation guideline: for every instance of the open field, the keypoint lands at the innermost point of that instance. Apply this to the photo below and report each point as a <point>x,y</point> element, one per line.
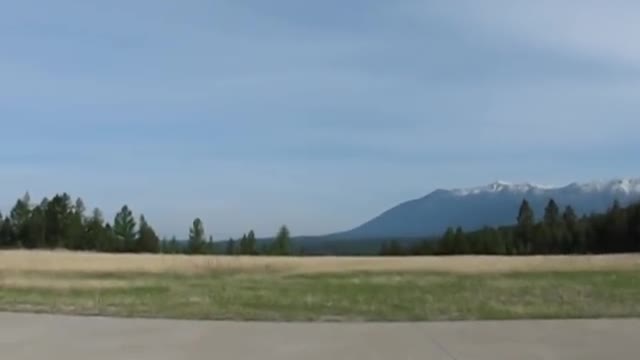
<point>65,261</point>
<point>428,288</point>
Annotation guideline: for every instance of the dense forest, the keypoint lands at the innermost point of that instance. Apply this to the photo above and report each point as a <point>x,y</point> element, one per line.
<point>60,222</point>
<point>557,232</point>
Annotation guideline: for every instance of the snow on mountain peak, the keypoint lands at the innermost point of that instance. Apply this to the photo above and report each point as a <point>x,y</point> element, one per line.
<point>626,186</point>
<point>499,186</point>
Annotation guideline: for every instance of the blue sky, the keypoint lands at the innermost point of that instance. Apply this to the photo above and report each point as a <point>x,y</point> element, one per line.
<point>320,115</point>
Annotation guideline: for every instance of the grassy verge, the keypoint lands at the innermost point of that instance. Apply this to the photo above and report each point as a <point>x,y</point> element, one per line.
<point>344,296</point>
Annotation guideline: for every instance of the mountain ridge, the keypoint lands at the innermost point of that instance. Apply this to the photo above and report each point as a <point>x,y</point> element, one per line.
<point>627,185</point>
<point>494,204</point>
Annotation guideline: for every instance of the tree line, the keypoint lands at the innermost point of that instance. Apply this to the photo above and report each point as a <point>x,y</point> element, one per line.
<point>556,232</point>
<point>60,222</point>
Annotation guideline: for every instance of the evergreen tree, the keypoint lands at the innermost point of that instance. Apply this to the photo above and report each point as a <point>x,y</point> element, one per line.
<point>447,244</point>
<point>554,228</point>
<point>243,245</point>
<point>384,248</point>
<point>147,240</point>
<point>248,244</point>
<point>35,229</point>
<point>282,242</point>
<point>7,237</point>
<point>164,245</point>
<point>197,241</point>
<point>551,213</point>
<point>524,229</point>
<point>5,232</point>
<point>499,246</point>
<point>460,242</point>
<point>251,245</point>
<point>97,237</point>
<point>124,229</point>
<point>634,227</point>
<point>174,246</point>
<point>231,246</point>
<point>19,216</point>
<point>574,237</point>
<point>509,241</point>
<point>616,232</point>
<point>76,234</point>
<point>58,219</point>
<point>113,243</point>
<point>21,211</point>
<point>392,248</point>
<point>211,246</point>
<point>541,240</point>
<point>395,248</point>
<point>424,247</point>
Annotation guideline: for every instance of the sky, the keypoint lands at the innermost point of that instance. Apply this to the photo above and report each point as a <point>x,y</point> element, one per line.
<point>318,115</point>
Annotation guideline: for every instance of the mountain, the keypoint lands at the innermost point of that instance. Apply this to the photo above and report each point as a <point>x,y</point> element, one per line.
<point>495,204</point>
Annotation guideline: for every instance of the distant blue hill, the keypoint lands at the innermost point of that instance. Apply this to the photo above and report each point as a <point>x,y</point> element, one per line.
<point>495,204</point>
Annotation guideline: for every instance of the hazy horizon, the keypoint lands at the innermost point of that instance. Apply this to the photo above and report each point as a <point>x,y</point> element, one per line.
<point>251,115</point>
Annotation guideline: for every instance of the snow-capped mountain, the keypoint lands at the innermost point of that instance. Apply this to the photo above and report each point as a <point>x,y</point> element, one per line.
<point>495,204</point>
<point>613,186</point>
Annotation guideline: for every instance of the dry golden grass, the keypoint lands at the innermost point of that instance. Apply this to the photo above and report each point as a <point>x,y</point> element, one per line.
<point>260,288</point>
<point>19,281</point>
<point>63,261</point>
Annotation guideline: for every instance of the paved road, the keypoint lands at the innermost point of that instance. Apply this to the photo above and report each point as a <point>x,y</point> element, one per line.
<point>31,337</point>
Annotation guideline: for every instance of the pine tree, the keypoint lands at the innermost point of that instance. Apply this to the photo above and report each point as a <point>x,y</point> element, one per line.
<point>19,216</point>
<point>251,244</point>
<point>147,241</point>
<point>460,241</point>
<point>97,237</point>
<point>76,234</point>
<point>174,246</point>
<point>634,227</point>
<point>248,244</point>
<point>197,241</point>
<point>35,229</point>
<point>124,229</point>
<point>551,213</point>
<point>498,246</point>
<point>524,229</point>
<point>7,237</point>
<point>21,211</point>
<point>58,220</point>
<point>447,244</point>
<point>633,218</point>
<point>509,241</point>
<point>554,228</point>
<point>384,249</point>
<point>164,245</point>
<point>616,229</point>
<point>230,249</point>
<point>5,232</point>
<point>243,245</point>
<point>395,248</point>
<point>112,241</point>
<point>574,239</point>
<point>211,246</point>
<point>282,243</point>
<point>541,239</point>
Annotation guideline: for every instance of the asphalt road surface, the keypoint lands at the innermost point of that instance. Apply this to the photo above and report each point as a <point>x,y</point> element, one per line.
<point>36,337</point>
